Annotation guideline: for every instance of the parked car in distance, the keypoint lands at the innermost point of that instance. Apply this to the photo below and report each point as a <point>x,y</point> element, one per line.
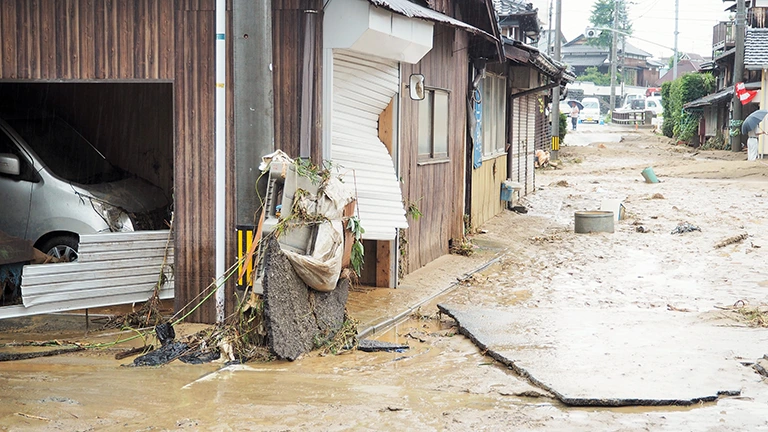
<point>646,104</point>
<point>55,186</point>
<point>591,111</point>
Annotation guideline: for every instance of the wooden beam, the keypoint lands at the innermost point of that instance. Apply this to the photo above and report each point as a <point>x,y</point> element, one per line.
<point>384,273</point>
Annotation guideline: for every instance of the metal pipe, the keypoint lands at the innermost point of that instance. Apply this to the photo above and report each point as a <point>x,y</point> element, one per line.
<point>221,154</point>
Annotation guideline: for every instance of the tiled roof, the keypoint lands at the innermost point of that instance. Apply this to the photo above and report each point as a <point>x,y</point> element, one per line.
<point>756,48</point>
<point>512,7</point>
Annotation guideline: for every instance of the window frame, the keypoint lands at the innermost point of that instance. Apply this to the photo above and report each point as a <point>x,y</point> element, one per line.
<point>428,103</point>
<point>494,116</point>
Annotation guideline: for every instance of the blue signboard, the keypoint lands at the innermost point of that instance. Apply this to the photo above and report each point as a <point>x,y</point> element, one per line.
<point>477,133</point>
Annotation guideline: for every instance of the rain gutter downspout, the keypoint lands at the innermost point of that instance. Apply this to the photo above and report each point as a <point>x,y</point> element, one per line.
<point>221,174</point>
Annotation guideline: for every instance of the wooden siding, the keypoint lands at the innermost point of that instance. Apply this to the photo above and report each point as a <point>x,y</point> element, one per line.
<point>86,39</point>
<point>436,188</point>
<point>195,159</point>
<point>288,33</point>
<point>486,190</point>
<point>132,127</point>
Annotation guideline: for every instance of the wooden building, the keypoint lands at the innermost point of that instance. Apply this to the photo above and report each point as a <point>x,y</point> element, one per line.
<point>138,79</point>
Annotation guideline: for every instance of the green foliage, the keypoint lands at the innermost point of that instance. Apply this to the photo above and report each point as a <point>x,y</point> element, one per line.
<point>678,123</point>
<point>595,76</point>
<point>357,259</point>
<point>563,127</point>
<point>602,16</point>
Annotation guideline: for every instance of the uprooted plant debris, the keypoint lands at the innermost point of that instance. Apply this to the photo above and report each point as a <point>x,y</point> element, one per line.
<point>731,240</point>
<point>685,227</point>
<point>753,316</point>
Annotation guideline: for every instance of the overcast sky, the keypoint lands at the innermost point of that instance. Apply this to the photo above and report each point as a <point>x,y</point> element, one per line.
<point>653,20</point>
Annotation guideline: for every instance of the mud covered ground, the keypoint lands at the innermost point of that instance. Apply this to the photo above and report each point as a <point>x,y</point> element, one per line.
<point>443,382</point>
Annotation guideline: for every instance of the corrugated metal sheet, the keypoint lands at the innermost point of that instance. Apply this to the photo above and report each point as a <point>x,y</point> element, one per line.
<point>363,86</point>
<point>530,144</point>
<point>412,10</point>
<point>112,269</point>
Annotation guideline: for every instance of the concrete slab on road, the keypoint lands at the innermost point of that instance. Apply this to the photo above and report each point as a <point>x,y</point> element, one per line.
<point>617,357</point>
<point>586,134</point>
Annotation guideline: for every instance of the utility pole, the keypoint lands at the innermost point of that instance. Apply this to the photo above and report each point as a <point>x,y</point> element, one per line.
<point>555,120</point>
<point>549,32</point>
<point>738,68</point>
<point>674,60</point>
<point>613,55</point>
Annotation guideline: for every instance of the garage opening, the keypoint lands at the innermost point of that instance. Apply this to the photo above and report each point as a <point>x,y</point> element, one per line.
<point>62,145</point>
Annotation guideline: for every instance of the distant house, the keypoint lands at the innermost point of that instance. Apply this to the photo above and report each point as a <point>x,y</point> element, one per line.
<point>683,67</point>
<point>580,55</point>
<point>715,108</point>
<point>547,41</point>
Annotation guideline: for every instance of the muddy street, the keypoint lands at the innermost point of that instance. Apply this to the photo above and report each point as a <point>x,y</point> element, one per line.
<point>577,332</point>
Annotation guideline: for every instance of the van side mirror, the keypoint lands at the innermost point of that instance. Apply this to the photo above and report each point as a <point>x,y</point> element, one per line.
<point>9,164</point>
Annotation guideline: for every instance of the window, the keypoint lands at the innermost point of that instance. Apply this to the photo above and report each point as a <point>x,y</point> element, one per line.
<point>494,101</point>
<point>433,125</point>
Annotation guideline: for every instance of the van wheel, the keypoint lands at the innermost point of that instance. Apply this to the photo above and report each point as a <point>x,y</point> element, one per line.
<point>63,247</point>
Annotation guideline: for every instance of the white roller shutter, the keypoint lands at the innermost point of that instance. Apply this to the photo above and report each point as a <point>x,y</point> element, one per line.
<point>530,145</point>
<point>363,87</point>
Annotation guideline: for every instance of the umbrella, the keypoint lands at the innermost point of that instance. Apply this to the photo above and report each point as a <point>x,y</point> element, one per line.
<point>571,103</point>
<point>754,119</point>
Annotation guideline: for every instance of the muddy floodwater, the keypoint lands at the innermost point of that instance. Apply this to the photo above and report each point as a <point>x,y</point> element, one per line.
<point>444,382</point>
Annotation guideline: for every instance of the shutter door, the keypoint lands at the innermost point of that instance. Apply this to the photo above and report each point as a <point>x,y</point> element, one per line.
<point>363,87</point>
<point>530,145</point>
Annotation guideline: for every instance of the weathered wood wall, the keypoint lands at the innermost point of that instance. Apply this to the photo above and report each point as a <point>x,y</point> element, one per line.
<point>124,41</point>
<point>436,188</point>
<point>288,33</point>
<point>86,39</point>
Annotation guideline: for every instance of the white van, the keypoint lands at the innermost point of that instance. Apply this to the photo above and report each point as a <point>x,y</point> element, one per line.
<point>591,111</point>
<point>54,186</point>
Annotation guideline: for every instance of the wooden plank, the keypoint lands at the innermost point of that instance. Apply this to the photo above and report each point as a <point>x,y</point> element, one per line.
<point>384,275</point>
<point>125,49</point>
<point>8,48</point>
<point>387,127</point>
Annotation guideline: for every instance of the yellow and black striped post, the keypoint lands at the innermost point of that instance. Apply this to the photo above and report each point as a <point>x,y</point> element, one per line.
<point>244,242</point>
<point>555,143</point>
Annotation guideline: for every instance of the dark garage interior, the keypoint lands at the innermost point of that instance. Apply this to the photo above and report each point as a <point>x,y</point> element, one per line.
<point>131,124</point>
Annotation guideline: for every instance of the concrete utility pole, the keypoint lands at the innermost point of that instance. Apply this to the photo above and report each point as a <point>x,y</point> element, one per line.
<point>615,37</point>
<point>556,90</point>
<point>676,55</point>
<point>738,68</point>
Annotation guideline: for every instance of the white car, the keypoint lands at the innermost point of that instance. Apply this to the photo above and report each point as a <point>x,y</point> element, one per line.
<point>652,103</point>
<point>591,111</point>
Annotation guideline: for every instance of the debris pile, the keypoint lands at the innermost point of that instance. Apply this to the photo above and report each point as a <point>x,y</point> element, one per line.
<point>685,227</point>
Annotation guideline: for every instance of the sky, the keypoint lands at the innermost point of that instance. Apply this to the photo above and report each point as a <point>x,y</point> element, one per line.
<point>653,20</point>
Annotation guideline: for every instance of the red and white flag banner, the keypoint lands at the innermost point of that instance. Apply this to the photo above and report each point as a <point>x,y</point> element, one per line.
<point>745,96</point>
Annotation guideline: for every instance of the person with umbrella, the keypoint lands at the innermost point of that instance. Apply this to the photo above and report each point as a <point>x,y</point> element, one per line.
<point>574,113</point>
<point>751,127</point>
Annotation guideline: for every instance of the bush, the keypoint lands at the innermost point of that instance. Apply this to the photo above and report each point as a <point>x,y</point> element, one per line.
<point>687,88</point>
<point>563,126</point>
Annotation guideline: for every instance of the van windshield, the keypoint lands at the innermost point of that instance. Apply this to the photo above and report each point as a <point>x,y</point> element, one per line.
<point>65,152</point>
<point>591,105</point>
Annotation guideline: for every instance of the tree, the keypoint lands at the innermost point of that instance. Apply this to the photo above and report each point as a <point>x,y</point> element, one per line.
<point>593,75</point>
<point>602,16</point>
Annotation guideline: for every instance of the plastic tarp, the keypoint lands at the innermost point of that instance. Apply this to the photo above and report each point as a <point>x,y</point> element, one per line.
<point>320,269</point>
